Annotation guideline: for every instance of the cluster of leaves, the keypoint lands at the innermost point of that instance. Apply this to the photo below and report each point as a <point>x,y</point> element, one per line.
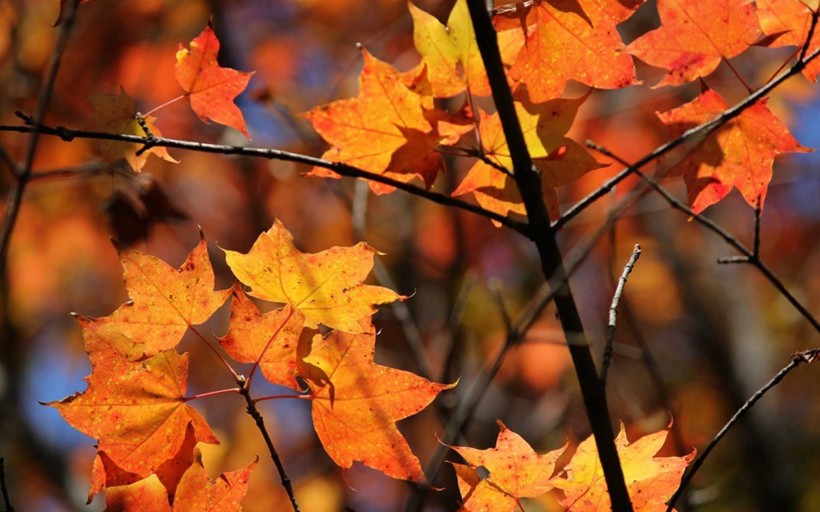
<point>135,404</point>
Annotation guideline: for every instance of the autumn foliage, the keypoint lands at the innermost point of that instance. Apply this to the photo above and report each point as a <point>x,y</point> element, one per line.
<point>289,315</point>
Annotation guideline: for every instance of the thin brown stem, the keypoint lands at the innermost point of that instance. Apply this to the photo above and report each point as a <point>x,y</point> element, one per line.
<point>3,488</point>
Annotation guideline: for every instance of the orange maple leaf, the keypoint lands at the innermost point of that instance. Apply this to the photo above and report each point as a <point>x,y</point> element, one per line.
<point>789,21</point>
<point>117,113</point>
<point>560,159</point>
<point>383,130</point>
<point>197,492</point>
<point>210,87</point>
<point>325,287</point>
<point>511,470</point>
<point>106,473</point>
<point>739,154</point>
<point>136,410</point>
<point>566,41</point>
<point>695,36</point>
<point>271,338</point>
<point>356,403</point>
<point>650,480</point>
<point>164,303</point>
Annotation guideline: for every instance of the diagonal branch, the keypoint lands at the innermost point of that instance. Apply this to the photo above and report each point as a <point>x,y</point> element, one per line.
<point>271,154</point>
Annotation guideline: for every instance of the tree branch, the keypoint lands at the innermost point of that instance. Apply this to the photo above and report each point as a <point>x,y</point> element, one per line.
<point>272,154</point>
<point>528,182</point>
<point>3,487</point>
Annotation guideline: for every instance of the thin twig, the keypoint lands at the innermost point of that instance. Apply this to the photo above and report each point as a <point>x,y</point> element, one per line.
<point>700,131</point>
<point>274,154</point>
<point>747,255</point>
<point>798,358</point>
<point>15,195</point>
<point>613,312</point>
<point>758,210</point>
<point>3,487</point>
<point>260,424</point>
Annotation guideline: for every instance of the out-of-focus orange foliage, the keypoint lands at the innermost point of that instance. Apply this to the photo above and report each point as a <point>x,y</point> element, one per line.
<point>789,22</point>
<point>210,87</point>
<point>739,154</point>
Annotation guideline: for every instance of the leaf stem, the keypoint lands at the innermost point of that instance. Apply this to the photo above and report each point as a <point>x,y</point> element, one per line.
<point>167,103</point>
<point>279,397</point>
<point>213,349</point>
<point>212,393</point>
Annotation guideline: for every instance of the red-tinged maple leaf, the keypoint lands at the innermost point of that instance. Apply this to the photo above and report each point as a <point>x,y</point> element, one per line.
<point>695,36</point>
<point>450,53</point>
<point>117,113</point>
<point>197,492</point>
<point>63,6</point>
<point>650,480</point>
<point>560,159</point>
<point>136,410</point>
<point>271,338</point>
<point>383,130</point>
<point>210,87</point>
<point>570,41</point>
<point>790,21</point>
<point>357,402</point>
<point>511,470</point>
<point>164,303</point>
<point>106,473</point>
<point>739,154</point>
<point>326,287</point>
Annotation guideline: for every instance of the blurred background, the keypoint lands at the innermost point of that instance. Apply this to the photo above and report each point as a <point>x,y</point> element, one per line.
<point>695,339</point>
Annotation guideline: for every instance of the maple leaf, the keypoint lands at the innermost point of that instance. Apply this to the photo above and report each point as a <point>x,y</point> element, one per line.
<point>651,480</point>
<point>106,473</point>
<point>117,113</point>
<point>565,41</point>
<point>356,403</point>
<point>210,87</point>
<point>197,492</point>
<point>325,287</point>
<point>136,410</point>
<point>450,53</point>
<point>61,16</point>
<point>383,130</point>
<point>790,21</point>
<point>164,303</point>
<point>739,154</point>
<point>560,159</point>
<point>273,337</point>
<point>695,36</point>
<point>511,470</point>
